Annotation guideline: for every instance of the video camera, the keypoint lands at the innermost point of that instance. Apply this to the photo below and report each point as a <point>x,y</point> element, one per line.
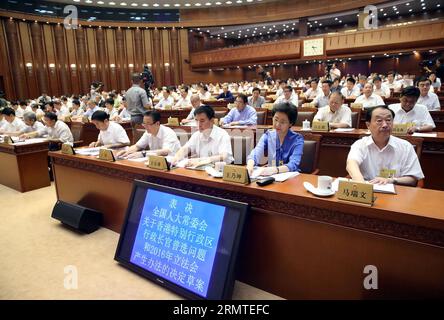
<point>148,80</point>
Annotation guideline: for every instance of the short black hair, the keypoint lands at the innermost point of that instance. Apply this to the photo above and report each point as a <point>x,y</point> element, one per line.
<point>76,102</point>
<point>256,89</point>
<point>243,97</point>
<point>22,102</point>
<point>377,78</point>
<point>289,88</point>
<point>289,109</point>
<point>410,91</point>
<point>368,116</point>
<point>422,79</point>
<point>327,82</point>
<point>155,115</point>
<point>185,88</point>
<point>314,80</point>
<point>51,116</point>
<point>205,109</point>
<point>109,101</point>
<point>8,111</point>
<point>352,80</point>
<point>100,116</point>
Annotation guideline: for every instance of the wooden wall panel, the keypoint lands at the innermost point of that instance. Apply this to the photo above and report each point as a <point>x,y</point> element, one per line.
<point>112,59</point>
<point>62,65</point>
<point>130,56</point>
<point>73,73</point>
<point>27,57</point>
<point>166,54</point>
<point>39,59</point>
<point>50,51</point>
<point>7,85</point>
<point>91,45</point>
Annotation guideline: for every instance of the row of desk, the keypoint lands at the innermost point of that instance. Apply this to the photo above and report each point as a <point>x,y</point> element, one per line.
<point>295,245</point>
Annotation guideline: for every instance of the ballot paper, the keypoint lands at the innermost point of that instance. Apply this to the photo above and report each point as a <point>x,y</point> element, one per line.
<point>279,177</point>
<point>30,141</point>
<point>343,129</point>
<point>88,151</point>
<point>425,135</point>
<point>143,159</point>
<point>380,188</point>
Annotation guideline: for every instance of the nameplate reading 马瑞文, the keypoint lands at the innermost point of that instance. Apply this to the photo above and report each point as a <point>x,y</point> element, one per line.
<point>356,192</point>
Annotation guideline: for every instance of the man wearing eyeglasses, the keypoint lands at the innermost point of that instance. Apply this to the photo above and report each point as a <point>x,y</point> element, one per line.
<point>160,139</point>
<point>289,96</point>
<point>382,158</point>
<point>242,114</point>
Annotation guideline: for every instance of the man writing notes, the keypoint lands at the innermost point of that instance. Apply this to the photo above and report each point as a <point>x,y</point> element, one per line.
<point>209,144</point>
<point>382,158</point>
<point>242,114</point>
<point>408,111</point>
<point>57,130</point>
<point>160,140</point>
<point>13,125</point>
<point>111,133</point>
<point>336,113</point>
<point>283,146</point>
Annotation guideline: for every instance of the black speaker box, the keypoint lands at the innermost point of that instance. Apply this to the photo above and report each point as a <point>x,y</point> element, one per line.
<point>80,218</point>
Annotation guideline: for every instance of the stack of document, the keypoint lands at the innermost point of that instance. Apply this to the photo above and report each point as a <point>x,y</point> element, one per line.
<point>89,151</point>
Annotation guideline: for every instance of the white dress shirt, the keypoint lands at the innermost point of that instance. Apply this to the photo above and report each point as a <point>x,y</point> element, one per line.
<point>19,112</point>
<point>311,94</point>
<point>355,92</point>
<point>59,131</point>
<point>166,138</point>
<point>321,100</point>
<point>397,155</point>
<point>165,102</point>
<point>63,112</point>
<point>372,101</point>
<point>216,143</point>
<point>37,126</point>
<point>395,85</point>
<point>343,115</point>
<point>431,101</point>
<point>205,96</point>
<point>384,91</point>
<point>183,103</point>
<point>419,115</point>
<point>115,134</point>
<point>293,99</point>
<point>15,126</point>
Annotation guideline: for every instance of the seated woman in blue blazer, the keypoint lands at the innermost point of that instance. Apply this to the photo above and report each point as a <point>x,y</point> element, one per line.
<point>283,146</point>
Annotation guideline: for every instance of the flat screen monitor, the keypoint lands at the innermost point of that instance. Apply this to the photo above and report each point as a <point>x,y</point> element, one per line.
<point>184,241</point>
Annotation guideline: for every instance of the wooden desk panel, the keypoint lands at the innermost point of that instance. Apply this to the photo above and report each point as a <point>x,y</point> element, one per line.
<point>295,245</point>
<point>24,167</point>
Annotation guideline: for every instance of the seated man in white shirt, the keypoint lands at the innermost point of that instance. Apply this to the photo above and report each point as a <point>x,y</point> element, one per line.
<point>19,111</point>
<point>184,100</point>
<point>13,126</point>
<point>209,144</point>
<point>392,83</point>
<point>91,108</point>
<point>61,110</point>
<point>204,94</point>
<point>408,111</point>
<point>77,112</point>
<point>379,88</point>
<point>368,98</point>
<point>32,125</point>
<point>159,139</point>
<point>195,103</point>
<point>350,91</point>
<point>314,90</point>
<point>166,101</point>
<point>336,112</point>
<point>427,98</point>
<point>57,130</point>
<point>289,96</point>
<point>110,110</point>
<point>382,158</point>
<point>112,134</point>
<point>321,100</point>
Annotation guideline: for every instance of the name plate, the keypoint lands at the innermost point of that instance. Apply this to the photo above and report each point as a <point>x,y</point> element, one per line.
<point>7,140</point>
<point>268,106</point>
<point>356,192</point>
<point>357,106</point>
<point>308,105</point>
<point>401,128</point>
<point>236,174</point>
<point>106,154</point>
<point>168,107</point>
<point>67,119</point>
<point>68,149</point>
<point>85,119</point>
<point>320,126</point>
<point>158,163</point>
<point>173,121</point>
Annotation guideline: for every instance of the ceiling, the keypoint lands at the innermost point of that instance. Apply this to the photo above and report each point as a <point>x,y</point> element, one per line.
<point>387,13</point>
<point>162,4</point>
